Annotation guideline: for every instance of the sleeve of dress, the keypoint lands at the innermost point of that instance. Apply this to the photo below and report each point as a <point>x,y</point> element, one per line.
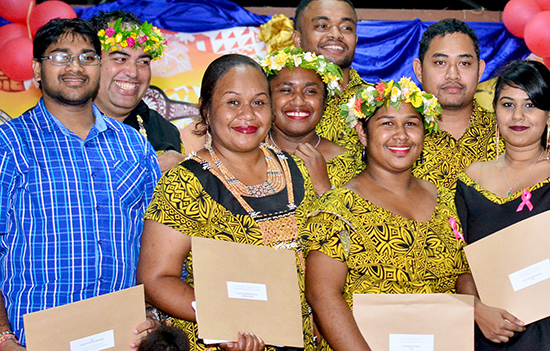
<point>458,261</point>
<point>327,231</point>
<point>179,202</point>
<point>461,208</point>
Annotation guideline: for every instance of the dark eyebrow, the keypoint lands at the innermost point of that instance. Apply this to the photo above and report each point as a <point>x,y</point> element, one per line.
<point>325,18</point>
<point>440,54</point>
<point>65,50</point>
<point>113,53</point>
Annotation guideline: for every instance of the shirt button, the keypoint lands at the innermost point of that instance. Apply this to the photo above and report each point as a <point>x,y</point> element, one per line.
<point>100,241</point>
<point>98,208</point>
<point>94,174</point>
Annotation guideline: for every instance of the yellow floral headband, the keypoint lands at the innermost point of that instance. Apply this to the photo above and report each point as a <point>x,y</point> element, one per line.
<point>368,99</point>
<point>146,36</point>
<point>295,57</point>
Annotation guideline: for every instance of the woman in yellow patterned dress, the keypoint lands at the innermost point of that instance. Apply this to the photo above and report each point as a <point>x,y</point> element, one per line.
<point>384,231</point>
<point>300,83</point>
<point>235,189</point>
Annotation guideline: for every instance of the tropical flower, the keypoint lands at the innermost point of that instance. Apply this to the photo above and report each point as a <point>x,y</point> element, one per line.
<point>294,57</point>
<point>368,99</point>
<point>133,36</point>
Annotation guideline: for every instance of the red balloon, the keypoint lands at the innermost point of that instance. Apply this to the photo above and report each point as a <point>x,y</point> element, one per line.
<point>544,4</point>
<point>546,61</point>
<point>48,10</point>
<point>16,59</point>
<point>516,14</point>
<point>11,31</point>
<point>16,10</point>
<point>537,34</point>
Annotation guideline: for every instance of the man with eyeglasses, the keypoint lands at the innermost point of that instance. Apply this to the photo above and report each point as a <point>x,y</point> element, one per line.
<point>74,186</point>
<point>125,77</point>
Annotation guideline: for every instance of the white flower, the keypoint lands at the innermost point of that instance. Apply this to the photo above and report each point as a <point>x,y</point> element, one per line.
<point>297,61</point>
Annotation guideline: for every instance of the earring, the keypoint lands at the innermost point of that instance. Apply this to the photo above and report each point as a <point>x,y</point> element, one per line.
<point>497,139</point>
<point>547,149</point>
<point>208,140</point>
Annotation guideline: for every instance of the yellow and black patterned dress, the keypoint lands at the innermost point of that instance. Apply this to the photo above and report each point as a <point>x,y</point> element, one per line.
<point>386,253</point>
<point>483,213</point>
<point>333,126</point>
<point>343,168</point>
<point>192,200</point>
<point>443,157</point>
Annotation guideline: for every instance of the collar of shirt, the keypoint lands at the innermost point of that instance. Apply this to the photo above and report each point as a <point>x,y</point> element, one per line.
<point>50,122</point>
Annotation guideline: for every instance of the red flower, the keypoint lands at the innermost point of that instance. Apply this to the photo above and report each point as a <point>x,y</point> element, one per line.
<point>380,89</point>
<point>142,39</point>
<point>131,42</point>
<point>358,103</point>
<point>110,31</point>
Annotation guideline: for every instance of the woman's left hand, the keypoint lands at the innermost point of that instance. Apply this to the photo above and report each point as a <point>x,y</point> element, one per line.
<point>246,342</point>
<point>316,166</point>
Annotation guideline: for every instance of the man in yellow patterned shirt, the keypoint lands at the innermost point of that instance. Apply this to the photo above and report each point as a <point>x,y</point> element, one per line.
<point>449,67</point>
<point>328,28</point>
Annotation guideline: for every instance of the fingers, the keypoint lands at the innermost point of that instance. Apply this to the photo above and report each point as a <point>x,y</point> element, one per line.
<point>515,323</point>
<point>246,342</point>
<point>148,326</point>
<point>251,342</point>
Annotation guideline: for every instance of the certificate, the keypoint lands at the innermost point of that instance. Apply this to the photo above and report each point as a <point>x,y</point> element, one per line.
<point>416,322</point>
<point>241,287</point>
<point>511,268</point>
<point>100,323</point>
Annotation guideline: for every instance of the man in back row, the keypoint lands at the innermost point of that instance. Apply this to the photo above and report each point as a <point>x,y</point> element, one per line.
<point>125,77</point>
<point>449,67</point>
<point>329,28</point>
<point>74,186</point>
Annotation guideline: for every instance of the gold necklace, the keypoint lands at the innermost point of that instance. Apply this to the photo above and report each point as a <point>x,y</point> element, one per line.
<point>522,176</point>
<point>141,127</point>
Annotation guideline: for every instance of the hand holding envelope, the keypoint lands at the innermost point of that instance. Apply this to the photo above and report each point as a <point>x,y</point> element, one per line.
<point>511,268</point>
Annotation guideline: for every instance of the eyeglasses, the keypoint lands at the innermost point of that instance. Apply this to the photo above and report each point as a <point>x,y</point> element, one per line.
<point>64,59</point>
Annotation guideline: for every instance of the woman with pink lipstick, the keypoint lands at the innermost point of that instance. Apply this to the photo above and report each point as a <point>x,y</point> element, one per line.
<point>235,189</point>
<point>495,194</point>
<point>300,83</point>
<point>385,231</point>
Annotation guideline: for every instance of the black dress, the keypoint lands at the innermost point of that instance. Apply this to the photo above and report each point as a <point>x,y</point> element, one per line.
<point>482,213</point>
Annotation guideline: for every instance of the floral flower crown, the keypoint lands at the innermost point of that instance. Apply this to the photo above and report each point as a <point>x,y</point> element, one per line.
<point>146,36</point>
<point>368,98</point>
<point>296,57</point>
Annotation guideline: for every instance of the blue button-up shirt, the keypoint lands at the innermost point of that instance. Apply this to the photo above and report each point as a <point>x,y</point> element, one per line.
<point>71,210</point>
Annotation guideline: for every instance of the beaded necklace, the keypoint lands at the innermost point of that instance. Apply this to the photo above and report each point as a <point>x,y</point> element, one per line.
<point>274,176</point>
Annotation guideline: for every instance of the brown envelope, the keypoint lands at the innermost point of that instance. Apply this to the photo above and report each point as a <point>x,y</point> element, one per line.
<point>420,322</point>
<point>241,287</point>
<point>88,325</point>
<point>515,258</point>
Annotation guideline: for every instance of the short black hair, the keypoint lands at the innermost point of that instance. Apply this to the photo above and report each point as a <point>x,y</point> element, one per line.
<point>442,28</point>
<point>102,19</point>
<point>165,338</point>
<point>302,6</point>
<point>58,27</point>
<point>214,72</point>
<point>531,76</point>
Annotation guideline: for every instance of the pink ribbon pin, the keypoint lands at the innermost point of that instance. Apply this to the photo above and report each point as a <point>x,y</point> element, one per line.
<point>525,197</point>
<point>458,235</point>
